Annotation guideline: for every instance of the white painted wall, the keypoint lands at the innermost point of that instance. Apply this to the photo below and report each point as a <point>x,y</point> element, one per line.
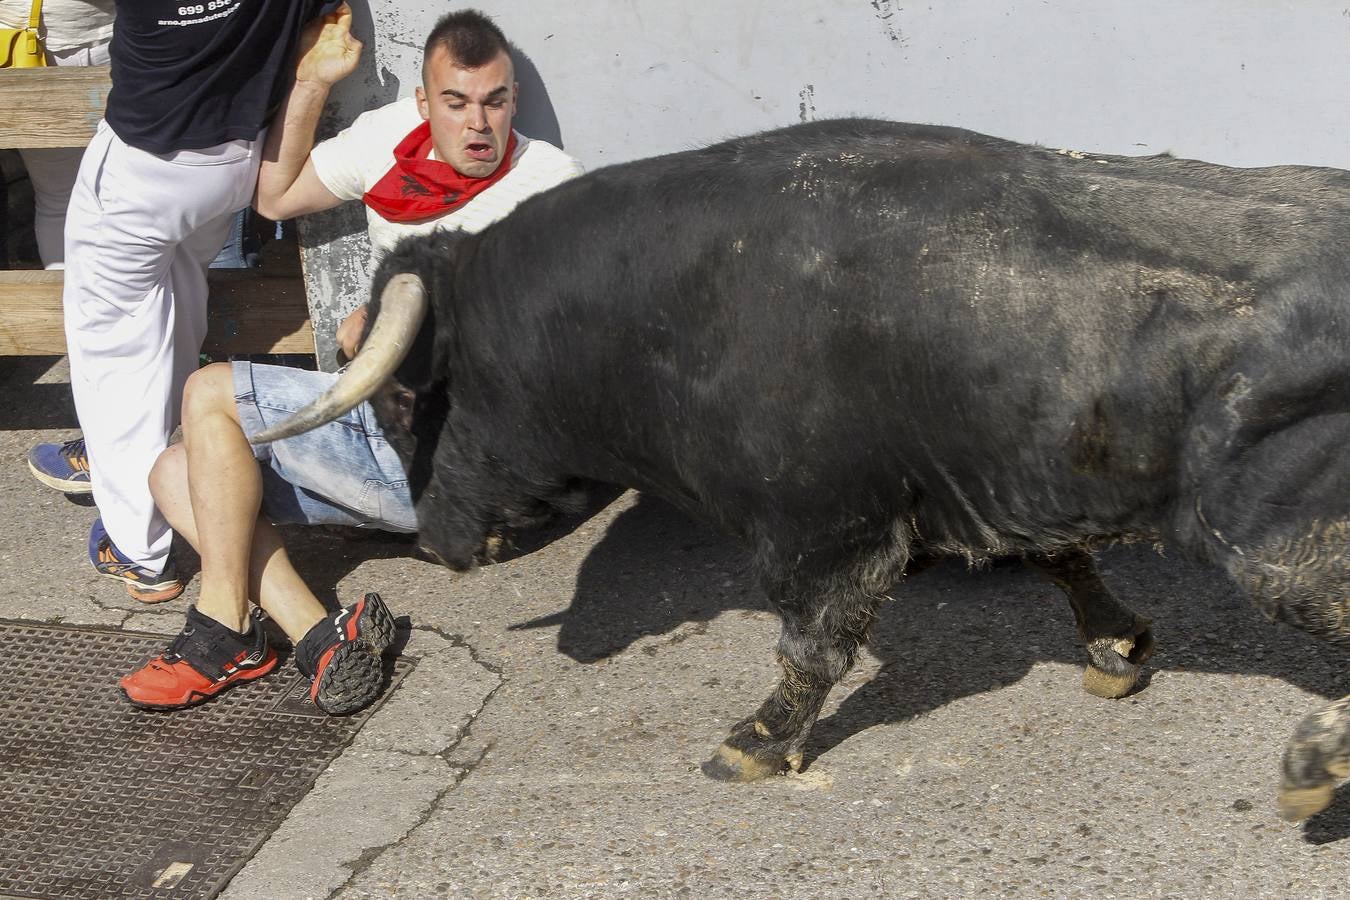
<point>1241,82</point>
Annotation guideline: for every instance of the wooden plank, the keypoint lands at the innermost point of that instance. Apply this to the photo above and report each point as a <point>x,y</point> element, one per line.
<point>57,106</point>
<point>30,314</point>
<point>255,313</point>
<point>249,313</point>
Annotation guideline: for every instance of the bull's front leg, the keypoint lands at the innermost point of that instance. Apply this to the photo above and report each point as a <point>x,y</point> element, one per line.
<point>1118,640</point>
<point>822,632</point>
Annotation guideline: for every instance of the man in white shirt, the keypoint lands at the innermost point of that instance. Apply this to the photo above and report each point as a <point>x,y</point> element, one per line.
<point>447,158</point>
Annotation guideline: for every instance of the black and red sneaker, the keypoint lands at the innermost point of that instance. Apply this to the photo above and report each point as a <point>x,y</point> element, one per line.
<point>205,659</point>
<point>342,655</point>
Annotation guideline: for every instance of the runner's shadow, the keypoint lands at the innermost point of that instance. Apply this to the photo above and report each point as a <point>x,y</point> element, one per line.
<point>535,115</point>
<point>324,556</point>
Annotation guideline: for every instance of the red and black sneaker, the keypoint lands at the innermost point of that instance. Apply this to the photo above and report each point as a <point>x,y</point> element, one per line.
<point>342,655</point>
<point>205,659</point>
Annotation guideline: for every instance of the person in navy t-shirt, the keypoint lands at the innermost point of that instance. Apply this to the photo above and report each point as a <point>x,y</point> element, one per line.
<point>176,156</point>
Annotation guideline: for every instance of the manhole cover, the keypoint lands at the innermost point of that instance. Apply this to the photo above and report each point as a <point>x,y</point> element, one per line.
<point>99,799</point>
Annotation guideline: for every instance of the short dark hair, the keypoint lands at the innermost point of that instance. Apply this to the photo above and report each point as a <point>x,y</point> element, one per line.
<point>470,37</point>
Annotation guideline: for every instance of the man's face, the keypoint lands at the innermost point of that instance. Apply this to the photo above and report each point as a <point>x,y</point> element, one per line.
<point>469,110</point>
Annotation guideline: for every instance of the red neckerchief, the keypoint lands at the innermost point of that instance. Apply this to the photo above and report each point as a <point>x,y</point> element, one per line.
<point>417,187</point>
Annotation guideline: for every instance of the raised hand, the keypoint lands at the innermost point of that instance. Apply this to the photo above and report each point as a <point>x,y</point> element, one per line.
<point>327,51</point>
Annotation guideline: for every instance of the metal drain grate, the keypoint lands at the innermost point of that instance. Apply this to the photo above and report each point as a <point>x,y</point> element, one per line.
<point>99,799</point>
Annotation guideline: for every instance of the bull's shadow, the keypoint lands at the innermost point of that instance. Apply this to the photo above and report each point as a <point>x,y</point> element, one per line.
<point>653,571</point>
<point>325,555</point>
<point>949,632</point>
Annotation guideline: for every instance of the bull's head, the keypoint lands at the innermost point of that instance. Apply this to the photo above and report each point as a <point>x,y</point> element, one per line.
<point>394,326</point>
<point>401,370</point>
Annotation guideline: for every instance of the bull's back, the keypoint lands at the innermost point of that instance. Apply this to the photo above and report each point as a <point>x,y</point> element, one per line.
<point>864,319</point>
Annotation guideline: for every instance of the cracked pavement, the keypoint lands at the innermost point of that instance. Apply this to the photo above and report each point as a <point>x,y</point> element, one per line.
<point>547,742</point>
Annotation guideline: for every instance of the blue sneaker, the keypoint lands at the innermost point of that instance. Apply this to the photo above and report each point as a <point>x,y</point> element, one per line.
<point>144,585</point>
<point>62,466</point>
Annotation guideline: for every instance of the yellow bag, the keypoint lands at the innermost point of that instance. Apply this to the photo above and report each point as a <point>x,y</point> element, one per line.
<point>20,48</point>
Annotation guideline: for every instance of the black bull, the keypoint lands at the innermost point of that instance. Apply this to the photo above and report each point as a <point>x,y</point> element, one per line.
<point>857,346</point>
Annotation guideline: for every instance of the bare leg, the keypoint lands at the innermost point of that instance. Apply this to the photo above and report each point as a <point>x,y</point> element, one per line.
<point>210,489</point>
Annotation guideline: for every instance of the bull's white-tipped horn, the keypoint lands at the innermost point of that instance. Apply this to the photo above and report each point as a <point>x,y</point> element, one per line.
<point>403,305</point>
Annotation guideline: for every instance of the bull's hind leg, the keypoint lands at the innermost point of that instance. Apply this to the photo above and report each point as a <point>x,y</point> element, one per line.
<point>1315,760</point>
<point>1315,596</point>
<point>1118,640</point>
<point>824,624</point>
<point>1305,581</point>
<point>1272,507</point>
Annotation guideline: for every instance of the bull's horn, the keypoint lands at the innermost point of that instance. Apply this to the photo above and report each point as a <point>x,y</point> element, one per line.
<point>403,305</point>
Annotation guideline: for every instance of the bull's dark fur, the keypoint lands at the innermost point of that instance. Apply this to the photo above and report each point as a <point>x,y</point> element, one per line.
<point>851,343</point>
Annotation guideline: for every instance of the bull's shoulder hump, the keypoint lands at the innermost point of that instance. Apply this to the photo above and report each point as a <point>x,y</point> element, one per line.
<point>867,138</point>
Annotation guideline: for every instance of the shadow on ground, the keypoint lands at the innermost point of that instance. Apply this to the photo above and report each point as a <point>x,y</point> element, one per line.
<point>948,633</point>
<point>949,626</point>
<point>28,405</point>
<point>1333,824</point>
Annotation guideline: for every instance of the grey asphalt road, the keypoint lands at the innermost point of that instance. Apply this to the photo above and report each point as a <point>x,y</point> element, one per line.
<point>547,744</point>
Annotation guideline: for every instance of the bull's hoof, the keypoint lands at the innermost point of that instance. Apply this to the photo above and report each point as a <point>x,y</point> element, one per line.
<point>1109,685</point>
<point>730,764</point>
<point>1297,804</point>
<point>1114,668</point>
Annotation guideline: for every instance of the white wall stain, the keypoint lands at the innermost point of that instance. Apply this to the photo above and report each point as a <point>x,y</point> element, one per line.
<point>806,109</point>
<point>887,14</point>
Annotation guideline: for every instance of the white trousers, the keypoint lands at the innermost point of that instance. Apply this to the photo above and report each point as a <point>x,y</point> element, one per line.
<point>140,232</point>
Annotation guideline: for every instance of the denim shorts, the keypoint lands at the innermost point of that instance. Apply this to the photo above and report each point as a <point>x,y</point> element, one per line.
<point>342,473</point>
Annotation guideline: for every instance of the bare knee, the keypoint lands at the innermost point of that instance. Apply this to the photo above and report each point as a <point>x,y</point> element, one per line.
<point>169,484</point>
<point>209,391</point>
